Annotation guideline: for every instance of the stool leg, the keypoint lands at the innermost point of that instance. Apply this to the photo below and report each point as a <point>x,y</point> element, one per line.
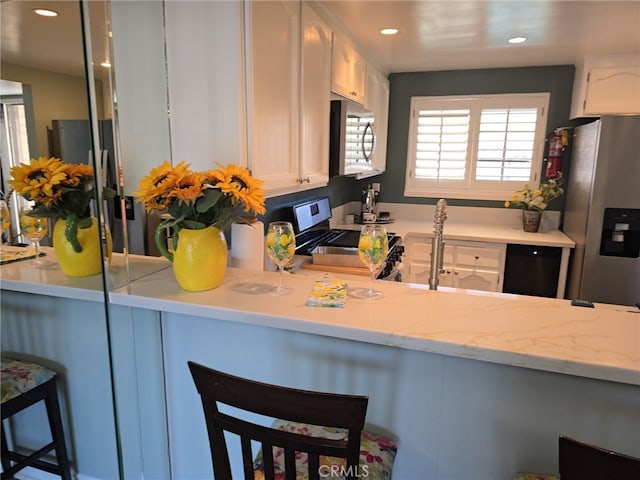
<point>57,432</point>
<point>5,451</point>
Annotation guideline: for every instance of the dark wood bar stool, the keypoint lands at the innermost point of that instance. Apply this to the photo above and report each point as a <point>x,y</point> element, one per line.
<point>24,384</point>
<point>315,434</point>
<point>582,461</point>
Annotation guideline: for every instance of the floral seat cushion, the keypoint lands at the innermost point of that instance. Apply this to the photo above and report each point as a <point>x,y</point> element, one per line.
<point>19,377</point>
<point>377,453</point>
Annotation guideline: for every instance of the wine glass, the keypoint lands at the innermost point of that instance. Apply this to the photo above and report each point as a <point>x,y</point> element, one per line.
<point>280,245</point>
<point>33,228</point>
<point>373,247</point>
<point>5,221</point>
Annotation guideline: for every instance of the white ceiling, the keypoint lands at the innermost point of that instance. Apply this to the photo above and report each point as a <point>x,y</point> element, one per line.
<point>434,34</point>
<point>465,34</point>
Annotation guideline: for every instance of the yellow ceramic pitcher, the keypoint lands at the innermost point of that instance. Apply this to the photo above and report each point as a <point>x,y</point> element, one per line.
<point>199,258</point>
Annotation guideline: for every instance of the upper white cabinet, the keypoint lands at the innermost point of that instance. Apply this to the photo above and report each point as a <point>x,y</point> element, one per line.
<point>607,86</point>
<point>206,102</point>
<point>273,91</point>
<point>377,101</point>
<point>288,87</point>
<point>316,97</point>
<point>349,72</point>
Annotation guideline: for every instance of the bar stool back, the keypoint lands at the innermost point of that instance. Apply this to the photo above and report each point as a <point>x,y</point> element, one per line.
<point>315,434</point>
<point>25,384</point>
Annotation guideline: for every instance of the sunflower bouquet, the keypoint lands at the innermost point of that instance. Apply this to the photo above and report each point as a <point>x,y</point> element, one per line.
<point>197,200</point>
<point>58,190</point>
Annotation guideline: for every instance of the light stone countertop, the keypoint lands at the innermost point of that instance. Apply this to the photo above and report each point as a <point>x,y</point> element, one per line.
<point>48,279</point>
<point>476,232</point>
<point>496,225</point>
<point>524,331</point>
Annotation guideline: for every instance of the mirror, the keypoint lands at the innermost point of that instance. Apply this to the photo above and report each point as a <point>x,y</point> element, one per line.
<point>43,88</point>
<point>54,98</point>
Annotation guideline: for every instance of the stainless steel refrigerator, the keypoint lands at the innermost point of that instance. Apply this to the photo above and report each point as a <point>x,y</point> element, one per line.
<point>602,211</point>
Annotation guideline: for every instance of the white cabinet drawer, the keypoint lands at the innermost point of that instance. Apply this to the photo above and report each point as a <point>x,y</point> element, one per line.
<point>479,257</point>
<point>421,252</point>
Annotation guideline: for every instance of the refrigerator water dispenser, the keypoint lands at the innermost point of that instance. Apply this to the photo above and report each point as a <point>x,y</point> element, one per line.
<point>621,233</point>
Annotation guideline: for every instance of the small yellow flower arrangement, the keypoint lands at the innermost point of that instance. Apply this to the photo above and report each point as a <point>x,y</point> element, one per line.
<point>197,200</point>
<point>537,198</point>
<point>58,190</point>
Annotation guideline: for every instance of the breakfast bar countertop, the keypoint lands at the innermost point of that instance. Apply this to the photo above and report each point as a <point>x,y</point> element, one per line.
<point>524,331</point>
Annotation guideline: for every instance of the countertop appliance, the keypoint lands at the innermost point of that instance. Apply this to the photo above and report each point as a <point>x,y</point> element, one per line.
<point>352,140</point>
<point>311,225</point>
<point>602,211</point>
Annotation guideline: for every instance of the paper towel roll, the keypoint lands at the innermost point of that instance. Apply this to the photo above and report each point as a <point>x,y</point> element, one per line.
<point>247,246</point>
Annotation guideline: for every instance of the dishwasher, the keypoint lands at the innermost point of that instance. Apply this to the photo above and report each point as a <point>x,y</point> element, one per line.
<point>532,270</point>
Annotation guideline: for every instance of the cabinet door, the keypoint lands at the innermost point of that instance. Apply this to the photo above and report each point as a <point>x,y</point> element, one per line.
<point>378,103</point>
<point>418,258</point>
<point>207,103</point>
<point>471,278</point>
<point>273,93</point>
<point>315,100</point>
<point>613,90</point>
<point>348,72</point>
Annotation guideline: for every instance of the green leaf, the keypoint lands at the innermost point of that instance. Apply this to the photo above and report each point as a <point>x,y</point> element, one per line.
<point>39,210</point>
<point>209,200</point>
<point>194,225</point>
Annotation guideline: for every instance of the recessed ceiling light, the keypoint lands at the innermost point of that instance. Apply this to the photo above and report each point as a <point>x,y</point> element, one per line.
<point>389,31</point>
<point>45,12</point>
<point>518,40</point>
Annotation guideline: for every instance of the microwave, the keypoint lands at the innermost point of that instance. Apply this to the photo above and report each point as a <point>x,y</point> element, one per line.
<point>352,140</point>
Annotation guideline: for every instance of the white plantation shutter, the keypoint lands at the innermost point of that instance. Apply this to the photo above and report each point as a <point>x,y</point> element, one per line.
<point>441,151</point>
<point>474,147</point>
<point>506,144</point>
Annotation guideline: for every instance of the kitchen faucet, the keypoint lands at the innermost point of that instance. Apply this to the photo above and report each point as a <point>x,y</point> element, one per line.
<point>437,244</point>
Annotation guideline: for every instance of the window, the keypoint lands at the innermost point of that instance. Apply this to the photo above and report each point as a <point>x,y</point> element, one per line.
<point>475,147</point>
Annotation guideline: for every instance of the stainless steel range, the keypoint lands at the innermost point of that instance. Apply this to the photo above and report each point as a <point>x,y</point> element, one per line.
<point>311,224</point>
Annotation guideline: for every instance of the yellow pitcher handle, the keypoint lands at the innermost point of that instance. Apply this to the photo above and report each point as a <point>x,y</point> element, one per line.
<point>161,239</point>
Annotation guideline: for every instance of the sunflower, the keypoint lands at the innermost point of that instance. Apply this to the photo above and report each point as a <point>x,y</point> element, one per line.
<point>37,179</point>
<point>155,189</point>
<point>189,188</point>
<point>241,186</point>
<point>78,175</point>
<point>199,199</point>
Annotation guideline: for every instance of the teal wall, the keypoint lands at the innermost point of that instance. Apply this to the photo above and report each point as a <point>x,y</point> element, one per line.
<point>557,80</point>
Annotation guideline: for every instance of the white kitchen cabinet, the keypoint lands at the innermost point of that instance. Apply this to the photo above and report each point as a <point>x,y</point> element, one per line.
<point>288,93</point>
<point>349,70</point>
<point>469,265</point>
<point>316,99</point>
<point>206,102</point>
<point>377,101</point>
<point>607,86</point>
